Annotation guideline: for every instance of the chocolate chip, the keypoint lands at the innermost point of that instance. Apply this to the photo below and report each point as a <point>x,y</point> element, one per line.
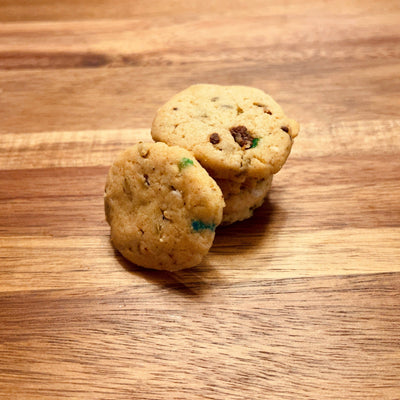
<point>264,107</point>
<point>175,108</point>
<point>214,138</point>
<point>285,129</point>
<point>242,136</point>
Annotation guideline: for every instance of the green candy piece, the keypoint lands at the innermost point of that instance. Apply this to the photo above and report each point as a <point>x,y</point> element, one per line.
<point>201,226</point>
<point>255,142</point>
<point>185,162</point>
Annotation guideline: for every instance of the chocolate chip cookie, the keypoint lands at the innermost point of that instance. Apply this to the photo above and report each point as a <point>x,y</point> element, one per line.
<point>162,206</point>
<point>235,132</point>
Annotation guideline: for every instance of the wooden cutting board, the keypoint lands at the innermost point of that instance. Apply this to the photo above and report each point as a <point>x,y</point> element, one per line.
<point>299,302</point>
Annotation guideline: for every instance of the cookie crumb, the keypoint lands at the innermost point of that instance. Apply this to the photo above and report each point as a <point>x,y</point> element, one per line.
<point>144,152</point>
<point>166,215</point>
<point>242,136</point>
<point>126,189</point>
<point>214,138</point>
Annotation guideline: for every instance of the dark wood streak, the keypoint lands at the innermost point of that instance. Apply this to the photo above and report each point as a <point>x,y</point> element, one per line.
<point>51,60</point>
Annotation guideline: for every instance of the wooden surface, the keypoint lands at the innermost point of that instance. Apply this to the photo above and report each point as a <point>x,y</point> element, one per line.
<point>300,302</point>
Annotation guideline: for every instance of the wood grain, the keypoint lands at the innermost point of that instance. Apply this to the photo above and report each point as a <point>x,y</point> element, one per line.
<point>282,339</point>
<point>300,302</point>
<point>338,61</point>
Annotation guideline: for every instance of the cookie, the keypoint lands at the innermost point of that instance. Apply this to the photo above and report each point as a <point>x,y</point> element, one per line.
<point>235,132</point>
<point>162,206</point>
<point>241,199</point>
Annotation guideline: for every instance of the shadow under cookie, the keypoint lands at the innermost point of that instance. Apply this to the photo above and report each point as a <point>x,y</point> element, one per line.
<point>191,283</point>
<point>243,236</point>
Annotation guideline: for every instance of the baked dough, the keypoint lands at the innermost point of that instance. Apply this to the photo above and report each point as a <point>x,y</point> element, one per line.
<point>162,206</point>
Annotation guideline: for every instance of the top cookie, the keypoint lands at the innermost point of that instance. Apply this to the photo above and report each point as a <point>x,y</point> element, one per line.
<point>162,206</point>
<point>234,131</point>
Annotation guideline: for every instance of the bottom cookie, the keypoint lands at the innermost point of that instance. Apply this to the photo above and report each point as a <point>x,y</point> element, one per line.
<point>241,199</point>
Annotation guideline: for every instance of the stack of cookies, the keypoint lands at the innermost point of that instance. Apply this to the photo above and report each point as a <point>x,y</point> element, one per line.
<point>239,134</point>
<point>220,147</point>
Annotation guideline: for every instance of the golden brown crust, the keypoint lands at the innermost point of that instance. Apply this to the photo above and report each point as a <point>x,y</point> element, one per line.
<point>162,206</point>
<point>233,131</point>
